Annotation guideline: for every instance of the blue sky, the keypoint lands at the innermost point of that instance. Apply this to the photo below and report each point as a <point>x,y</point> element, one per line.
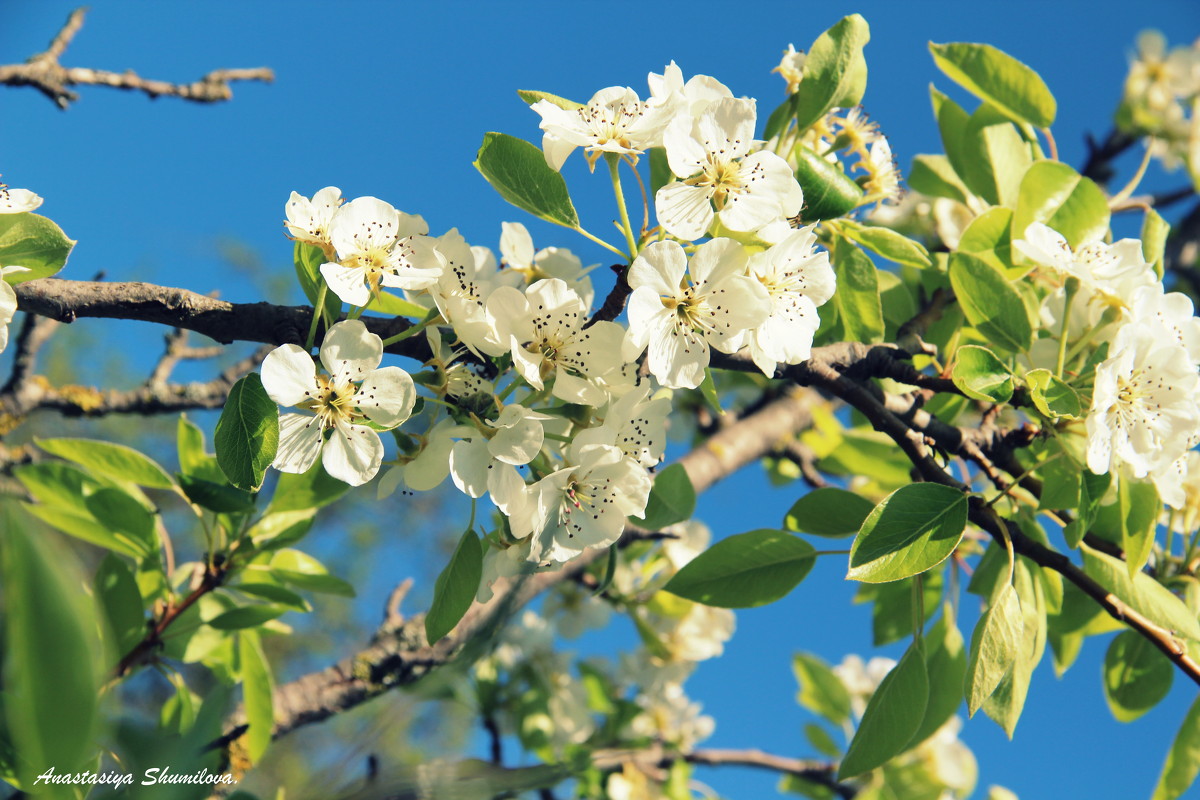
<point>392,99</point>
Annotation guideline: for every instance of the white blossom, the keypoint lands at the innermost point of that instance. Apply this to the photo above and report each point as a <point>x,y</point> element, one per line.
<point>308,220</point>
<point>679,319</point>
<point>17,201</point>
<point>721,177</point>
<point>460,295</point>
<point>352,394</point>
<point>613,121</point>
<point>516,248</point>
<point>1113,272</point>
<point>8,303</point>
<point>377,246</point>
<point>691,98</point>
<point>1144,411</point>
<point>797,278</point>
<point>635,424</point>
<point>791,68</point>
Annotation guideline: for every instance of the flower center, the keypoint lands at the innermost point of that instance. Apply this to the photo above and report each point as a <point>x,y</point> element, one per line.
<point>333,403</point>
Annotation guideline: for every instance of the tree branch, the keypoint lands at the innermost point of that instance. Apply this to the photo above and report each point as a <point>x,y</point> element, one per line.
<point>44,72</point>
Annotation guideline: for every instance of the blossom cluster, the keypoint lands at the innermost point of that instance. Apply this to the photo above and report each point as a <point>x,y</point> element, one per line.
<point>1143,418</point>
<point>1160,90</point>
<point>531,398</point>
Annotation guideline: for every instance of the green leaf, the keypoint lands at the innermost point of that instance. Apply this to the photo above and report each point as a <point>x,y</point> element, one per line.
<point>276,530</point>
<point>386,303</point>
<point>51,663</point>
<point>247,433</point>
<point>835,72</point>
<point>912,530</point>
<point>672,499</point>
<point>892,605</point>
<point>276,594</point>
<point>56,484</point>
<point>310,490</point>
<point>888,243</point>
<point>1154,239</point>
<point>1183,760</point>
<point>1143,593</point>
<point>990,303</point>
<point>892,717</point>
<point>828,511</point>
<point>217,497</point>
<point>245,617</point>
<point>106,459</point>
<point>531,96</point>
<point>995,645</point>
<point>1005,704</point>
<point>946,663</point>
<point>660,169</point>
<point>933,175</point>
<point>1138,508</point>
<point>189,441</point>
<point>1136,676</point>
<point>829,192</point>
<point>981,375</point>
<point>84,526</point>
<point>997,78</point>
<point>988,237</point>
<point>257,695</point>
<point>952,120</point>
<point>821,741</point>
<point>1057,195</point>
<point>34,242</point>
<point>300,569</point>
<point>857,297</point>
<point>308,259</point>
<point>821,691</point>
<point>123,516</point>
<point>1052,396</point>
<point>745,570</point>
<point>708,390</point>
<point>519,172</point>
<point>996,157</point>
<point>455,588</point>
<point>117,592</point>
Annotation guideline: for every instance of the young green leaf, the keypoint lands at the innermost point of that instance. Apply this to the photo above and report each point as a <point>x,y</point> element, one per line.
<point>1154,239</point>
<point>247,433</point>
<point>257,695</point>
<point>519,172</point>
<point>455,588</point>
<point>914,529</point>
<point>892,605</point>
<point>1136,676</point>
<point>124,516</point>
<point>892,717</point>
<point>51,669</point>
<point>946,663</point>
<point>835,72</point>
<point>117,592</point>
<point>1183,760</point>
<point>106,459</point>
<point>821,691</point>
<point>745,570</point>
<point>1057,195</point>
<point>952,120</point>
<point>990,303</point>
<point>672,499</point>
<point>828,511</point>
<point>33,242</point>
<point>981,375</point>
<point>1051,395</point>
<point>245,617</point>
<point>857,297</point>
<point>997,78</point>
<point>1143,593</point>
<point>888,243</point>
<point>217,497</point>
<point>302,570</point>
<point>995,646</point>
<point>82,525</point>
<point>1138,508</point>
<point>531,96</point>
<point>996,157</point>
<point>988,237</point>
<point>935,176</point>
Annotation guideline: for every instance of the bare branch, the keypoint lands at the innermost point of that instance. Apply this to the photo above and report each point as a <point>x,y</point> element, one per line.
<point>44,72</point>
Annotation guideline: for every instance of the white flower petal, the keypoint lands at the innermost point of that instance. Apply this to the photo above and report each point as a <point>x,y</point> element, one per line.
<point>349,351</point>
<point>353,454</point>
<point>288,374</point>
<point>348,283</point>
<point>299,443</point>
<point>386,396</point>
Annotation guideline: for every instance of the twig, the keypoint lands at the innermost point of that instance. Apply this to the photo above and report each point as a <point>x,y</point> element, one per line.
<point>614,304</point>
<point>1099,165</point>
<point>43,72</point>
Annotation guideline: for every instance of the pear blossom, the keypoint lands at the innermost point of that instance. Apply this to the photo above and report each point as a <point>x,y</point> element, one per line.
<point>575,610</point>
<point>460,294</point>
<point>17,201</point>
<point>429,467</point>
<point>502,563</point>
<point>721,177</point>
<point>797,279</point>
<point>680,318</point>
<point>1143,412</point>
<point>308,220</point>
<point>353,395</point>
<point>883,176</point>
<point>8,303</point>
<point>698,634</point>
<point>458,380</point>
<point>377,246</point>
<point>691,98</point>
<point>516,247</point>
<point>673,718</point>
<point>635,424</point>
<point>1113,272</point>
<point>585,503</point>
<point>791,68</point>
<point>549,337</point>
<point>1170,313</point>
<point>613,121</point>
<point>487,462</point>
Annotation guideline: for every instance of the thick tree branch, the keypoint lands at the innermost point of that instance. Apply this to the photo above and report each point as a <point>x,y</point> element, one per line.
<point>44,72</point>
